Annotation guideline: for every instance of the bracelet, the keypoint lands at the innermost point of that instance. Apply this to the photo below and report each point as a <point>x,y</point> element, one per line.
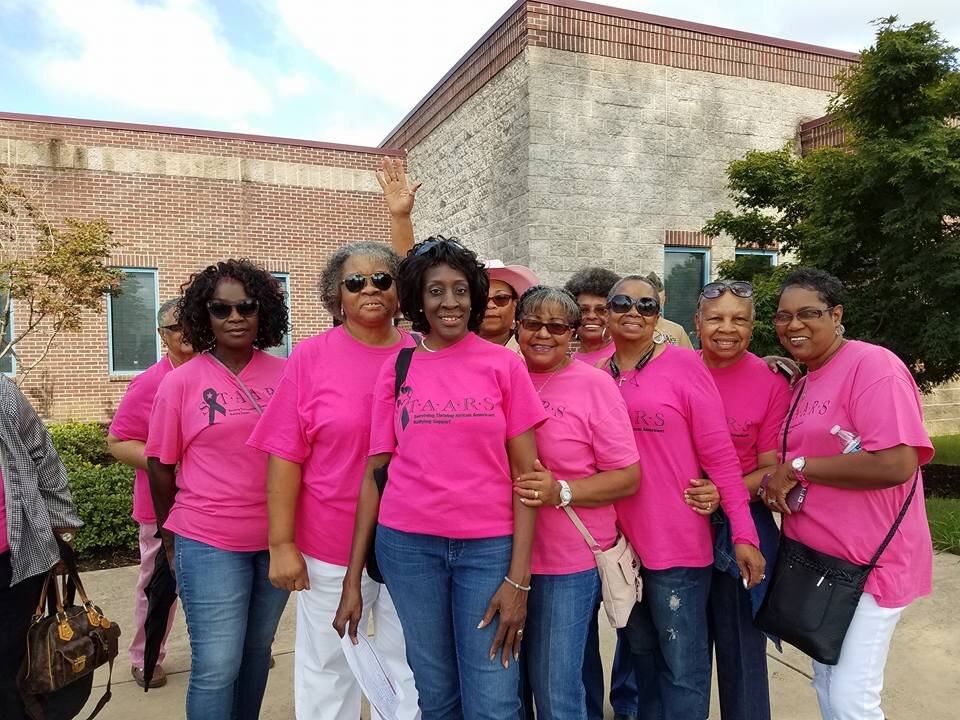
<point>518,586</point>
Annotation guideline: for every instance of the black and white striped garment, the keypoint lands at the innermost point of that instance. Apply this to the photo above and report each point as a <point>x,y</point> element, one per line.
<point>35,487</point>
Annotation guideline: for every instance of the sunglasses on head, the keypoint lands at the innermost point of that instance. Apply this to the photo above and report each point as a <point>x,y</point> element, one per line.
<point>713,290</point>
<point>357,282</point>
<point>221,309</point>
<point>501,299</point>
<point>428,245</point>
<point>171,328</point>
<point>554,328</point>
<point>646,306</point>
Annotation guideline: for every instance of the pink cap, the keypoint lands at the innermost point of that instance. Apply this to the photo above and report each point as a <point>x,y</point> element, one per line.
<point>519,277</point>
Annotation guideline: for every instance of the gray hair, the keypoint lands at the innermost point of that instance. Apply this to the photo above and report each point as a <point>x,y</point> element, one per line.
<point>631,278</point>
<point>539,295</point>
<point>165,308</point>
<point>330,279</point>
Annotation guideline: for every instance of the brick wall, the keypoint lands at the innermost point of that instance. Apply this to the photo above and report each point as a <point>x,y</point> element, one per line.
<point>177,203</point>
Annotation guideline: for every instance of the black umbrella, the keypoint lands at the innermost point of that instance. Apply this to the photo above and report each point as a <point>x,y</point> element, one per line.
<point>161,594</point>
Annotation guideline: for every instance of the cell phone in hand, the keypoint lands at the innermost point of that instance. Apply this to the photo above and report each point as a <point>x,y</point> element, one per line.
<point>795,497</point>
<point>784,369</point>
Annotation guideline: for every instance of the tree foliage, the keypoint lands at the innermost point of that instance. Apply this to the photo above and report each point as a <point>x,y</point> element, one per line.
<point>882,213</point>
<point>48,275</point>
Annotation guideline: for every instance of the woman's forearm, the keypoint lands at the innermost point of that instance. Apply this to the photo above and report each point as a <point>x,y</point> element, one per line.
<point>401,233</point>
<point>864,470</point>
<point>522,453</point>
<point>283,490</point>
<point>606,487</point>
<point>368,510</point>
<point>163,488</point>
<point>129,452</point>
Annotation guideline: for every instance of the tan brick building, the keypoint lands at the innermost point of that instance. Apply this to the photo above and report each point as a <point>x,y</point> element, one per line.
<point>569,134</point>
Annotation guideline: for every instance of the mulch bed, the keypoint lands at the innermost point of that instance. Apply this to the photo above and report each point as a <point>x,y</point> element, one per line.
<point>941,481</point>
<point>106,559</point>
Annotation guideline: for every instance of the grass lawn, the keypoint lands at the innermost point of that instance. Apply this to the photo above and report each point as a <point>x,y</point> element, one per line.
<point>948,449</point>
<point>943,514</point>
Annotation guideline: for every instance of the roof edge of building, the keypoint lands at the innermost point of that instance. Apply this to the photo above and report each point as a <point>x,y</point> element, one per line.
<point>194,132</point>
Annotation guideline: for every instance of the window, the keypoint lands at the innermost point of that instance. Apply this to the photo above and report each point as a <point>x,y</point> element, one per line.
<point>771,255</point>
<point>685,272</point>
<point>132,322</point>
<point>283,349</point>
<point>8,363</point>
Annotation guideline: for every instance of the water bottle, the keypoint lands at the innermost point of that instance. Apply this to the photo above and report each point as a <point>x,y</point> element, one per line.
<point>848,441</point>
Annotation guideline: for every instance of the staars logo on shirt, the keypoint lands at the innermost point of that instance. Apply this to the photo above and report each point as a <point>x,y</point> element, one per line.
<point>739,428</point>
<point>435,411</point>
<point>644,421</point>
<point>232,402</point>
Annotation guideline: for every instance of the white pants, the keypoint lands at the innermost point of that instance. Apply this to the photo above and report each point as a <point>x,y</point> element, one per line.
<point>324,686</point>
<point>850,690</point>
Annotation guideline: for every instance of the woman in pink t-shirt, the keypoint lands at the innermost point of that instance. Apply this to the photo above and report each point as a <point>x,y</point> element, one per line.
<point>587,460</point>
<point>590,286</point>
<point>855,487</point>
<point>317,432</point>
<point>213,511</point>
<point>453,542</point>
<point>681,433</point>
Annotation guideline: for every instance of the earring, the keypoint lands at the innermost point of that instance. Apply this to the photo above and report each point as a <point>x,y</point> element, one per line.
<point>659,338</point>
<point>841,330</point>
<point>341,311</point>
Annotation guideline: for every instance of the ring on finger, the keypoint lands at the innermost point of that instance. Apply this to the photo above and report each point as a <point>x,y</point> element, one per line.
<point>520,632</point>
<point>536,494</point>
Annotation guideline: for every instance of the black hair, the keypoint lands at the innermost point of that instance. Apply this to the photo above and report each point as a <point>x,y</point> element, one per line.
<point>539,295</point>
<point>433,251</point>
<point>628,278</point>
<point>591,281</point>
<point>259,285</point>
<point>828,287</point>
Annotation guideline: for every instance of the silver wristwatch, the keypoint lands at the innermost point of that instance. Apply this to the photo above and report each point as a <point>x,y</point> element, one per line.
<point>565,494</point>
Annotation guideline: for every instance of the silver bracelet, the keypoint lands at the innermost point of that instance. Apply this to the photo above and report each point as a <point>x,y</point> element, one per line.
<point>518,586</point>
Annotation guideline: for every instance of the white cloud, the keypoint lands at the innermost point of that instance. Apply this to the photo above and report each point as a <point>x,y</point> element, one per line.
<point>166,57</point>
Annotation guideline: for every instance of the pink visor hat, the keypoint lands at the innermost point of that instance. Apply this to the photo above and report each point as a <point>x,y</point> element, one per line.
<point>518,277</point>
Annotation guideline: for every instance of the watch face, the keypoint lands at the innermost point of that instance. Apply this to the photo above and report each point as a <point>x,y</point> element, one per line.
<point>798,463</point>
<point>565,495</point>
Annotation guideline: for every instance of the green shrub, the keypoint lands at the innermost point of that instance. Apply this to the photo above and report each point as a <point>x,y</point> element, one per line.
<point>86,442</point>
<point>103,495</point>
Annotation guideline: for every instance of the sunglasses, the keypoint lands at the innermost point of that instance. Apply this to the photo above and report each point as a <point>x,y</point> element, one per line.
<point>554,328</point>
<point>501,299</point>
<point>600,310</point>
<point>646,306</point>
<point>357,282</point>
<point>429,245</point>
<point>806,315</point>
<point>221,309</point>
<point>172,328</point>
<point>713,290</point>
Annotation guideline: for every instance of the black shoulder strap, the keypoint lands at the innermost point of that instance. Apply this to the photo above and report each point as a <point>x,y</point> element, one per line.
<point>402,366</point>
<point>786,427</point>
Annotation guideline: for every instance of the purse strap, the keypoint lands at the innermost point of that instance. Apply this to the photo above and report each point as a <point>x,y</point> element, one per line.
<point>572,514</point>
<point>239,382</point>
<point>903,508</point>
<point>401,367</point>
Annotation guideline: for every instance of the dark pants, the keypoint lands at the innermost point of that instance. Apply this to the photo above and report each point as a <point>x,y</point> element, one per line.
<point>17,604</point>
<point>741,652</point>
<point>623,683</point>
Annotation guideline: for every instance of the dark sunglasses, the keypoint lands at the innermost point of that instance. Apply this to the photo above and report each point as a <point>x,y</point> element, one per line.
<point>646,306</point>
<point>357,282</point>
<point>171,328</point>
<point>429,245</point>
<point>713,290</point>
<point>221,309</point>
<point>501,300</point>
<point>554,328</point>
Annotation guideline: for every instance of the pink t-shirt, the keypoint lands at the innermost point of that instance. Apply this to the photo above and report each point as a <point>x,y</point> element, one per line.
<point>449,475</point>
<point>867,390</point>
<point>132,422</point>
<point>595,356</point>
<point>320,419</point>
<point>680,428</point>
<point>587,431</point>
<point>202,419</point>
<point>4,540</point>
<point>756,402</point>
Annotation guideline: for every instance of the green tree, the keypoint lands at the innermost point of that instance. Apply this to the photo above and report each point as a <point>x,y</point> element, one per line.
<point>48,275</point>
<point>882,212</point>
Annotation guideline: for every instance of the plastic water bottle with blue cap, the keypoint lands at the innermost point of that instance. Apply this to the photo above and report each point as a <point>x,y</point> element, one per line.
<point>848,441</point>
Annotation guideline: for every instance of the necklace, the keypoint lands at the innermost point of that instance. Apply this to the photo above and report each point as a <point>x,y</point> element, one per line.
<point>644,359</point>
<point>561,366</point>
<point>423,344</point>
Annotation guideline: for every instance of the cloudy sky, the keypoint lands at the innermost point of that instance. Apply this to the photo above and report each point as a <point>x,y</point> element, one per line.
<point>334,70</point>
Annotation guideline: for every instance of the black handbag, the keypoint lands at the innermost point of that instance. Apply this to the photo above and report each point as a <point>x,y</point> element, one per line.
<point>813,596</point>
<point>380,474</point>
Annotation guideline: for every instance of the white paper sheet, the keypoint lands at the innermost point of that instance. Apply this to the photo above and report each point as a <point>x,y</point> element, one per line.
<point>382,691</point>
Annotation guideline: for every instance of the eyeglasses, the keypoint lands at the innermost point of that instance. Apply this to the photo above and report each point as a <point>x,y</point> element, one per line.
<point>600,310</point>
<point>500,299</point>
<point>805,315</point>
<point>554,328</point>
<point>175,327</point>
<point>713,290</point>
<point>357,282</point>
<point>428,245</point>
<point>646,306</point>
<point>221,309</point>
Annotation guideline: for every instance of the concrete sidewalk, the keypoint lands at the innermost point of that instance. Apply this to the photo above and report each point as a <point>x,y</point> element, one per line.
<point>922,679</point>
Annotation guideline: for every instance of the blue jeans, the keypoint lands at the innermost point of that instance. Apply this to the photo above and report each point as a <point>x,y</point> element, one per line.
<point>741,651</point>
<point>232,612</point>
<point>623,683</point>
<point>555,636</point>
<point>441,588</point>
<point>669,639</point>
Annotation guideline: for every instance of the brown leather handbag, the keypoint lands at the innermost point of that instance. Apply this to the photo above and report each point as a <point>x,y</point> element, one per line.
<point>66,644</point>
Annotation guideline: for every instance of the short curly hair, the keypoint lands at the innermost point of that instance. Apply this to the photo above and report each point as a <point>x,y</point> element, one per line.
<point>259,284</point>
<point>433,251</point>
<point>539,295</point>
<point>828,287</point>
<point>330,279</point>
<point>591,281</point>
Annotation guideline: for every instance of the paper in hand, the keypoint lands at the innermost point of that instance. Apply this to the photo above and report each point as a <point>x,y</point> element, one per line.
<point>381,690</point>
